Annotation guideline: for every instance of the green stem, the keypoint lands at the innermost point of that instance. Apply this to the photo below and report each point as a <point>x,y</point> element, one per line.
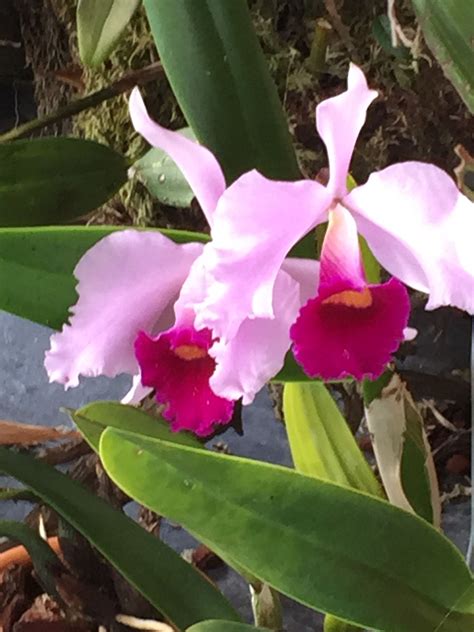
<point>317,56</point>
<point>126,83</point>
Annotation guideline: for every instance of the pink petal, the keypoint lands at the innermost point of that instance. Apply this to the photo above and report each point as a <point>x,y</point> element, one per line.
<point>339,121</point>
<point>341,266</point>
<point>256,223</point>
<point>333,340</point>
<point>306,273</point>
<point>137,392</point>
<point>177,365</point>
<point>258,350</point>
<point>197,163</point>
<point>420,228</point>
<point>127,282</point>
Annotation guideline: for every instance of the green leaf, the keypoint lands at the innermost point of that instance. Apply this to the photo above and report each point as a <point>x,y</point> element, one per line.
<point>94,418</point>
<point>322,445</point>
<point>339,550</point>
<point>46,563</point>
<point>36,267</point>
<point>401,448</point>
<point>52,180</point>
<point>332,624</point>
<point>321,442</point>
<point>382,32</point>
<point>157,572</point>
<point>100,23</point>
<point>219,75</point>
<point>448,29</point>
<point>224,626</point>
<point>163,179</point>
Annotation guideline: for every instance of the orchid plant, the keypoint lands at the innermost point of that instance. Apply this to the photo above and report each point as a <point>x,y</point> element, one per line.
<point>202,322</point>
<point>204,326</point>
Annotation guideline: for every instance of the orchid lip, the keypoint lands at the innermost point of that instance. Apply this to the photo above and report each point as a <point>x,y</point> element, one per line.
<point>190,352</point>
<point>359,299</point>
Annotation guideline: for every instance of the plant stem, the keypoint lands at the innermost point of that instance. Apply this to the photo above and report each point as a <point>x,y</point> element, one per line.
<point>317,55</point>
<point>127,82</point>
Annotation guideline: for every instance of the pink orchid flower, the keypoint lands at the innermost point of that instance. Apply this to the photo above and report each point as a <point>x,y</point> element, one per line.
<point>417,223</point>
<point>135,312</point>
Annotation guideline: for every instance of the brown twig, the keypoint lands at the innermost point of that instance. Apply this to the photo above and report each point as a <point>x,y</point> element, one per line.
<point>341,29</point>
<point>126,83</point>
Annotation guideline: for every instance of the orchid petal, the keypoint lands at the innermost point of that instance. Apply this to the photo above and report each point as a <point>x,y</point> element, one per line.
<point>336,340</point>
<point>197,163</point>
<point>256,223</point>
<point>339,121</point>
<point>306,273</point>
<point>126,282</point>
<point>341,262</point>
<point>177,365</point>
<point>420,228</point>
<point>257,352</point>
<point>137,392</point>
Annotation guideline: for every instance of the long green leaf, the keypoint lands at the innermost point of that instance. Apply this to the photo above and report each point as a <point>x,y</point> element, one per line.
<point>161,575</point>
<point>448,29</point>
<point>339,550</point>
<point>100,23</point>
<point>321,442</point>
<point>45,561</point>
<point>216,68</point>
<point>94,418</point>
<point>323,445</point>
<point>55,180</point>
<point>36,268</point>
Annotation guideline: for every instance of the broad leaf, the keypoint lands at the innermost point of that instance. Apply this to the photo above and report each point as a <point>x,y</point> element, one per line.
<point>94,418</point>
<point>100,23</point>
<point>448,29</point>
<point>333,624</point>
<point>219,75</point>
<point>321,442</point>
<point>162,177</point>
<point>36,268</point>
<point>401,448</point>
<point>55,180</point>
<point>339,550</point>
<point>161,575</point>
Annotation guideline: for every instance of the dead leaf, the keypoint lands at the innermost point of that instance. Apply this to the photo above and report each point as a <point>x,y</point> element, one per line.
<point>397,430</point>
<point>16,433</point>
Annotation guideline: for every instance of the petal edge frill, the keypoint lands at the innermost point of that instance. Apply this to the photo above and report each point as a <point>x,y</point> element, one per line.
<point>420,227</point>
<point>126,282</point>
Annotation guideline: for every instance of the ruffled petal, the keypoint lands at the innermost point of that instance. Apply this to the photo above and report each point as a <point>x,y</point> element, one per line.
<point>197,163</point>
<point>256,223</point>
<point>257,352</point>
<point>339,121</point>
<point>420,228</point>
<point>127,282</point>
<point>336,340</point>
<point>177,365</point>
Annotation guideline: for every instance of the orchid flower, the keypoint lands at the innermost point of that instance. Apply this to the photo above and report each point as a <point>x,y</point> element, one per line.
<point>135,310</point>
<point>417,223</point>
